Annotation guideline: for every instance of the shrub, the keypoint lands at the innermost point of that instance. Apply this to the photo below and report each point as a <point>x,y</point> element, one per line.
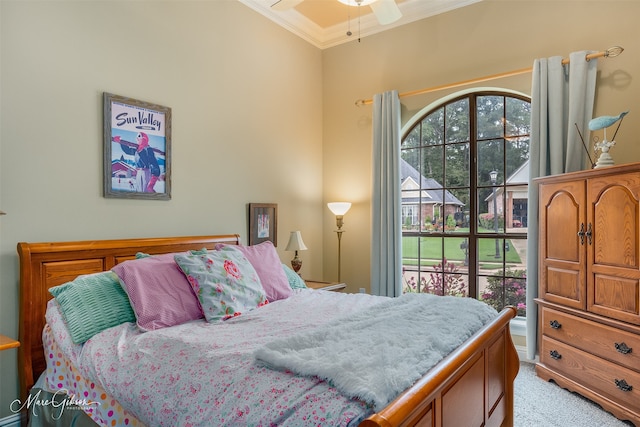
<point>487,221</point>
<point>451,223</point>
<point>451,283</point>
<point>407,222</point>
<point>511,290</point>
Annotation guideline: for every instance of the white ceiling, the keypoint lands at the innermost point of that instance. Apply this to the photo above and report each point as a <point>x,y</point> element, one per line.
<point>324,23</point>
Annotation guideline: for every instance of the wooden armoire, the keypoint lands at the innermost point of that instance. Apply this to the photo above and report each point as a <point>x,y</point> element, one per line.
<point>589,285</point>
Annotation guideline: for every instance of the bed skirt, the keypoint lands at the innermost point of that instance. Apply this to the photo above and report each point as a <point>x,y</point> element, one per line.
<point>77,401</point>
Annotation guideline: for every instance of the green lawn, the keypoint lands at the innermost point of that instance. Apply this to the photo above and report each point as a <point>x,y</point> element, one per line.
<point>431,249</point>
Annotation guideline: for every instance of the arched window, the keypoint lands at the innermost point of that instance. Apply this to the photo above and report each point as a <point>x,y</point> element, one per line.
<point>464,167</point>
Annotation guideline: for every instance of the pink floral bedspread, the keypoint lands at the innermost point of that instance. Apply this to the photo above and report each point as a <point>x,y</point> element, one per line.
<point>201,374</point>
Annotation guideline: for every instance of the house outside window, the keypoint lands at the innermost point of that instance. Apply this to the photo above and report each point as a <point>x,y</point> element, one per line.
<point>464,182</point>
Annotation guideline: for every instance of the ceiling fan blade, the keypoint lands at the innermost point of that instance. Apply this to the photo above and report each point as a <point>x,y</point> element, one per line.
<point>386,11</point>
<point>284,4</point>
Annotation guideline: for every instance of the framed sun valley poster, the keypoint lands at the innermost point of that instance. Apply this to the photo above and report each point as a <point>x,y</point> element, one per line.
<point>137,149</point>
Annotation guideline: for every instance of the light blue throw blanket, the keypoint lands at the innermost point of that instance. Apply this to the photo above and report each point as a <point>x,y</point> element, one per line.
<point>377,353</point>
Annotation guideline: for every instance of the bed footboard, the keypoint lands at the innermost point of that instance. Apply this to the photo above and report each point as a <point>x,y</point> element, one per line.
<point>473,386</point>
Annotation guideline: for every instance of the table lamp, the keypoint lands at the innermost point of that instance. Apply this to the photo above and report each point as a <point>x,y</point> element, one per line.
<point>296,244</point>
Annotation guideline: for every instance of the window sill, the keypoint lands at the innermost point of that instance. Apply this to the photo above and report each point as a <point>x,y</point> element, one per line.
<point>518,326</point>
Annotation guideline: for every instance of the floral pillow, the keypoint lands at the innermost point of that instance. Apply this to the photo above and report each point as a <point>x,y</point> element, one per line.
<point>225,282</point>
<point>264,258</point>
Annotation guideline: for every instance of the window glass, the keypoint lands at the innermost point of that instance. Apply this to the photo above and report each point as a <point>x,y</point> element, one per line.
<point>490,119</point>
<point>457,125</point>
<point>432,128</point>
<point>464,199</point>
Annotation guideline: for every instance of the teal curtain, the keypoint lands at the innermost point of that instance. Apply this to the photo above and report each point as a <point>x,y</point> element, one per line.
<point>562,98</point>
<point>386,245</point>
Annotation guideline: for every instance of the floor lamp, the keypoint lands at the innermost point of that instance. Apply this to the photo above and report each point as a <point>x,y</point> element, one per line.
<point>339,209</point>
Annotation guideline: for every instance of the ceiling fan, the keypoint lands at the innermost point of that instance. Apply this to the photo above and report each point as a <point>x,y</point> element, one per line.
<point>386,11</point>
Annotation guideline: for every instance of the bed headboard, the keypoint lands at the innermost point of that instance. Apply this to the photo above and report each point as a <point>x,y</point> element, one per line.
<point>44,265</point>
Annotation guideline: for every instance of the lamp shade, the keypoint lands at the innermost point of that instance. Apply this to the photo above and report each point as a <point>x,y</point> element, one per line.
<point>339,208</point>
<point>295,242</point>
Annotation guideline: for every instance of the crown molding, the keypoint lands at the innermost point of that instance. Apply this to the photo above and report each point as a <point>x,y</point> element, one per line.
<point>323,38</point>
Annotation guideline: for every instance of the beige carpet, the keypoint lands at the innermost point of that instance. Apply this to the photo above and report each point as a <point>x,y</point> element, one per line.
<point>539,403</point>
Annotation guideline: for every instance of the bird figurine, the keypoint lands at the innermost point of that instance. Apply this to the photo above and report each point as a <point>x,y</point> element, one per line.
<point>603,122</point>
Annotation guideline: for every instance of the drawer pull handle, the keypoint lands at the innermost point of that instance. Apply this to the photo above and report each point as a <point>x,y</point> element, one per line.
<point>622,385</point>
<point>557,356</point>
<point>622,348</point>
<point>555,324</point>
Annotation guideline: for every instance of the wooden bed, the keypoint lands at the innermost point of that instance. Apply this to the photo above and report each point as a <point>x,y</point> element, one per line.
<point>473,386</point>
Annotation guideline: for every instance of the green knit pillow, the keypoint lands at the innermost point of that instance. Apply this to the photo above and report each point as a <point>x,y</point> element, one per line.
<point>295,281</point>
<point>93,303</point>
<point>203,251</point>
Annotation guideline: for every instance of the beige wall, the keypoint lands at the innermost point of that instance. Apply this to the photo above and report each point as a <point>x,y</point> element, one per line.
<point>247,127</point>
<point>489,37</point>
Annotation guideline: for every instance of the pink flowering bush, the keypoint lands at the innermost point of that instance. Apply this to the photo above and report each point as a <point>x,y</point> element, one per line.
<point>511,290</point>
<point>450,283</point>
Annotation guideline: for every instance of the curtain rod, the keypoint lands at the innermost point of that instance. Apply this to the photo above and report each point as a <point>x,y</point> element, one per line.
<point>609,53</point>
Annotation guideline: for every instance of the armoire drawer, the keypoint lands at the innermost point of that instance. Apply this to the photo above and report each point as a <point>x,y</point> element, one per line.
<point>619,384</point>
<point>601,340</point>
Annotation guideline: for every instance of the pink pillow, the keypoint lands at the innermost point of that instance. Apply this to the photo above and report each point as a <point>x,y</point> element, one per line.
<point>266,262</point>
<point>159,293</point>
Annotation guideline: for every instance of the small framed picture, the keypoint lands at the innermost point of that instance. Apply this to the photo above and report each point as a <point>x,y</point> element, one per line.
<point>137,149</point>
<point>263,223</point>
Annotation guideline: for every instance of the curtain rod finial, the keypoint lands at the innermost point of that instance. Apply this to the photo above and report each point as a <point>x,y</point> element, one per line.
<point>613,51</point>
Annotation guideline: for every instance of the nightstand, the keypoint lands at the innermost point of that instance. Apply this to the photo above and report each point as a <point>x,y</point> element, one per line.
<point>325,286</point>
<point>6,343</point>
